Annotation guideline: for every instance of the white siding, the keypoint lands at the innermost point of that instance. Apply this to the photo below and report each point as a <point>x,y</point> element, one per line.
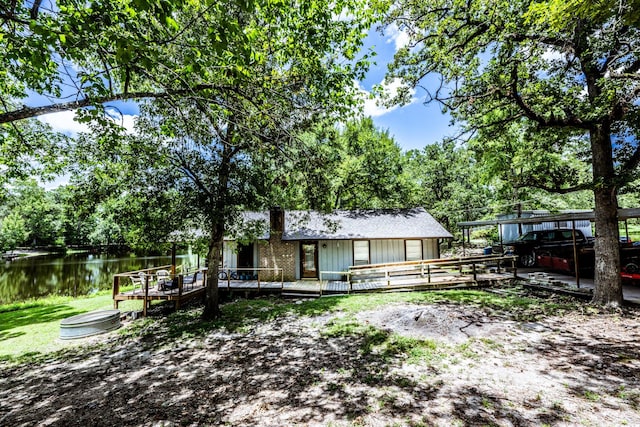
<point>361,251</point>
<point>296,251</point>
<point>430,249</point>
<point>413,250</point>
<point>387,251</point>
<point>256,254</point>
<point>229,255</point>
<point>337,256</point>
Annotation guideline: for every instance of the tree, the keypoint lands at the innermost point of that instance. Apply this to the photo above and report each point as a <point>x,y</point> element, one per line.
<point>348,166</point>
<point>447,183</point>
<point>12,231</point>
<point>370,173</point>
<point>511,163</point>
<point>574,79</point>
<point>38,210</point>
<point>289,66</point>
<point>91,53</point>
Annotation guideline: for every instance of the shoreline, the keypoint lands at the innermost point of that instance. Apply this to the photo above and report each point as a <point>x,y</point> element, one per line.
<point>31,253</point>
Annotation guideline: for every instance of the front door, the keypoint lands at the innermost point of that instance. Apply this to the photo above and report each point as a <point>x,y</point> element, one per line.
<point>309,260</point>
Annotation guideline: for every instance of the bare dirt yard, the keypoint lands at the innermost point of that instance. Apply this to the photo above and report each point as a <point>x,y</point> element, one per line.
<point>402,360</point>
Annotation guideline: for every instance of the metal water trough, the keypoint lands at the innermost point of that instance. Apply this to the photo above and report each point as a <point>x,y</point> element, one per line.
<point>87,324</point>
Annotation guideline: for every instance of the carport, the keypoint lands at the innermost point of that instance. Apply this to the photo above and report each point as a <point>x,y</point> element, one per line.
<point>570,217</point>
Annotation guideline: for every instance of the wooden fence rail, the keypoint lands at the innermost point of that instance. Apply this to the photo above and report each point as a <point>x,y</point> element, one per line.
<point>424,269</point>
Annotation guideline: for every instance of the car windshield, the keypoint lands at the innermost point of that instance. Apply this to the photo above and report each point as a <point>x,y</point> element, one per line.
<point>528,237</point>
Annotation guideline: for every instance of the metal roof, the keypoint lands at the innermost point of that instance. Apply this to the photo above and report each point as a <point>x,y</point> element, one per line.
<point>561,217</point>
<point>415,223</point>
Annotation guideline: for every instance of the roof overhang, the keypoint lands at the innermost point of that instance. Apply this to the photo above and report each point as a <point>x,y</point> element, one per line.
<point>623,214</point>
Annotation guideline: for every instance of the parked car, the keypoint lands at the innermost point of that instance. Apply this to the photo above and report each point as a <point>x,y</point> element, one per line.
<point>559,242</point>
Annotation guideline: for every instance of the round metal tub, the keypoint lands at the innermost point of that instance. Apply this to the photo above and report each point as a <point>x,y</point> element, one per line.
<point>87,324</point>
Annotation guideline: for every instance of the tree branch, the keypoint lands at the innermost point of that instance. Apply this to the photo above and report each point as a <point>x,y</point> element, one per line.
<point>30,112</point>
<point>532,115</point>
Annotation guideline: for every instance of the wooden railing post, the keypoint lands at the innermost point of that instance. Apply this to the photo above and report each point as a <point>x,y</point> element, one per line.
<point>473,268</point>
<point>115,291</point>
<point>428,273</point>
<point>258,285</point>
<point>146,295</point>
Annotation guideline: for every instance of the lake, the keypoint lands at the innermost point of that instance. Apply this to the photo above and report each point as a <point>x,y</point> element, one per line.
<point>71,274</point>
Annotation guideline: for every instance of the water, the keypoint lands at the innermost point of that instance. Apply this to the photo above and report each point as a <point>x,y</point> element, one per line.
<point>71,275</point>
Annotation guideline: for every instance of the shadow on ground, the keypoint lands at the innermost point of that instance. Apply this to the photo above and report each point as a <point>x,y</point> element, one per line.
<point>281,370</point>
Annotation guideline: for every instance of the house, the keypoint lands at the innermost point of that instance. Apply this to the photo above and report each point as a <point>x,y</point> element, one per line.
<point>304,243</point>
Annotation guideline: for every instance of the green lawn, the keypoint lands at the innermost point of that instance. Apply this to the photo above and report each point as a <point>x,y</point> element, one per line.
<point>32,328</point>
<point>634,232</point>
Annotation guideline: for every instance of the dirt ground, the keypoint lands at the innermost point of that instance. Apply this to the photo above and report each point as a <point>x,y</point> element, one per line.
<point>486,369</point>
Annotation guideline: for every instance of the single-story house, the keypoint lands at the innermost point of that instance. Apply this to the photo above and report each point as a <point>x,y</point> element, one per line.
<point>305,243</point>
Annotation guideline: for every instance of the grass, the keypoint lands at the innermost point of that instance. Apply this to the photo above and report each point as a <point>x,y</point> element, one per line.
<point>634,231</point>
<point>31,329</point>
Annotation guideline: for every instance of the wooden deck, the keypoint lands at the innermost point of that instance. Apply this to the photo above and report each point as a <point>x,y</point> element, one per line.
<point>393,277</point>
<point>184,290</point>
<point>316,288</point>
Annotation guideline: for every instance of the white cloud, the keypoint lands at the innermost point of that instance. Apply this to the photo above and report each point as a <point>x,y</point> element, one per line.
<point>399,38</point>
<point>372,105</point>
<point>553,55</point>
<point>58,181</point>
<point>125,120</point>
<point>64,122</point>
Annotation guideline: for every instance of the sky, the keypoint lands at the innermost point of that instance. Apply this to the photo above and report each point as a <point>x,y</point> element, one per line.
<point>415,125</point>
<point>412,126</point>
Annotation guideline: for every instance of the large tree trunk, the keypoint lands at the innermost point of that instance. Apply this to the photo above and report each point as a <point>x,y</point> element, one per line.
<point>218,222</point>
<point>608,283</point>
<point>216,241</point>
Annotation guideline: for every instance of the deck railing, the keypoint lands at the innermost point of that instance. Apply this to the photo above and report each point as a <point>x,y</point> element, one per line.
<point>228,273</point>
<point>151,277</point>
<point>426,269</point>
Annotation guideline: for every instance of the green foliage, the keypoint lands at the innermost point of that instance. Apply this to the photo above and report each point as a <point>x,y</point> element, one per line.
<point>13,231</point>
<point>533,89</point>
<point>370,173</point>
<point>560,13</point>
<point>446,179</point>
<point>357,167</point>
<point>32,215</point>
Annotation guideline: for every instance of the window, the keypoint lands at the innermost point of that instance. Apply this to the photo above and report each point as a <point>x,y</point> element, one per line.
<point>360,252</point>
<point>413,250</point>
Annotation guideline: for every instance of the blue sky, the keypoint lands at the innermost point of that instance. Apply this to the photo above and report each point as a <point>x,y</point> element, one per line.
<point>413,126</point>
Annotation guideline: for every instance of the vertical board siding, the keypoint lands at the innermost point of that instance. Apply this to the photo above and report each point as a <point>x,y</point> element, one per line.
<point>430,248</point>
<point>296,251</point>
<point>256,254</point>
<point>337,256</point>
<point>387,251</point>
<point>229,255</point>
